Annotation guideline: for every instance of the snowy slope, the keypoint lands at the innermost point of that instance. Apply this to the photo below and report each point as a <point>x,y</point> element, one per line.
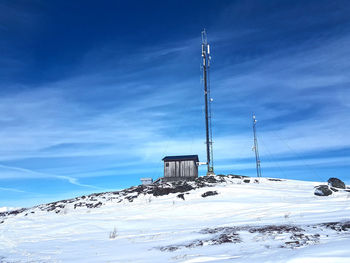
<point>270,221</point>
<point>5,209</point>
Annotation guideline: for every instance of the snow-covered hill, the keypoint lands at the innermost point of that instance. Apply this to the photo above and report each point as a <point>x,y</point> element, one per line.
<point>215,219</point>
<point>6,209</point>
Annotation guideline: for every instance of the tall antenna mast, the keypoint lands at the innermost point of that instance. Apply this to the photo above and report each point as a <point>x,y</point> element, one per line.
<point>205,66</point>
<point>256,149</point>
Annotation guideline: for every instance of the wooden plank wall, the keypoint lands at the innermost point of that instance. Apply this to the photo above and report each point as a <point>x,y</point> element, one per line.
<point>181,169</point>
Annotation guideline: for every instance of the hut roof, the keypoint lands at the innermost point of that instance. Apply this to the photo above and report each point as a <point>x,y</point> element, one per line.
<point>181,158</point>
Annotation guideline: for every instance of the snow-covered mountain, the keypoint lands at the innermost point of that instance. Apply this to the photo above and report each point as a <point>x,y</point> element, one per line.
<point>214,219</point>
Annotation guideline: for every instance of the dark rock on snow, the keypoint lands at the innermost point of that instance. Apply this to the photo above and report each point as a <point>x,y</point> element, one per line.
<point>169,248</point>
<point>275,180</point>
<point>334,185</point>
<point>13,212</point>
<point>335,182</point>
<point>232,176</point>
<point>209,193</point>
<point>175,188</point>
<point>337,226</point>
<point>322,190</point>
<point>279,229</point>
<point>290,236</point>
<point>182,196</point>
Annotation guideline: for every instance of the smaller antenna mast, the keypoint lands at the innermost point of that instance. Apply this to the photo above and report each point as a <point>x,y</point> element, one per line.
<point>207,100</point>
<point>256,149</point>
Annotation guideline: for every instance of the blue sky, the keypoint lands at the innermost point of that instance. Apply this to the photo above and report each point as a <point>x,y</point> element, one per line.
<point>93,94</point>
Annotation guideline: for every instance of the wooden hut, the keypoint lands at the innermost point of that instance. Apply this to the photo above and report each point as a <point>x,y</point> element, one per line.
<point>178,168</point>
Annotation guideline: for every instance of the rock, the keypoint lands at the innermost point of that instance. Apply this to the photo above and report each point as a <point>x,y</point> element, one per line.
<point>182,196</point>
<point>209,179</point>
<point>275,179</point>
<point>247,181</point>
<point>236,176</point>
<point>335,182</point>
<point>338,226</point>
<point>322,190</point>
<point>180,187</point>
<point>279,229</point>
<point>169,248</point>
<point>13,212</point>
<point>226,238</point>
<point>209,193</point>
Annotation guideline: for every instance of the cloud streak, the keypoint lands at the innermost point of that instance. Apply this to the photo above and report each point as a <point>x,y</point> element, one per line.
<point>52,122</point>
<point>10,172</point>
<point>12,190</point>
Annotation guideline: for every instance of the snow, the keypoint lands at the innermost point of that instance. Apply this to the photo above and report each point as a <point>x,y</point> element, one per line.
<point>3,209</point>
<point>169,229</point>
<point>6,209</point>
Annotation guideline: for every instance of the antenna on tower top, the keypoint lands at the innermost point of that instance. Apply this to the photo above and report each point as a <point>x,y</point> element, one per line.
<point>204,37</point>
<point>208,100</point>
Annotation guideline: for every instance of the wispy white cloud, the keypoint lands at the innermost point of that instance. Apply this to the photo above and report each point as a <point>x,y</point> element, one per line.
<point>10,172</point>
<point>76,182</point>
<point>134,118</point>
<point>12,190</point>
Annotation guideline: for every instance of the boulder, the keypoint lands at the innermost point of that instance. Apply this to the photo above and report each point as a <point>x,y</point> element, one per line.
<point>209,193</point>
<point>335,182</point>
<point>275,179</point>
<point>322,190</point>
<point>182,196</point>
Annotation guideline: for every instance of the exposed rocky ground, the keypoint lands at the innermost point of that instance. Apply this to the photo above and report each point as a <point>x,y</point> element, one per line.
<point>284,236</point>
<point>129,194</point>
<point>181,187</point>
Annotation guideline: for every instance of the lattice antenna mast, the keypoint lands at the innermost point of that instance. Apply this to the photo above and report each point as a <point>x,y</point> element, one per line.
<point>256,149</point>
<point>208,100</point>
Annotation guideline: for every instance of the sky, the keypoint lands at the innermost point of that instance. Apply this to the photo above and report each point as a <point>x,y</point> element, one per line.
<point>93,94</point>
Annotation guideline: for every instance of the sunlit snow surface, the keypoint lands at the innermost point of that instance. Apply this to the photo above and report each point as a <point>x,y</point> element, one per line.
<point>169,229</point>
